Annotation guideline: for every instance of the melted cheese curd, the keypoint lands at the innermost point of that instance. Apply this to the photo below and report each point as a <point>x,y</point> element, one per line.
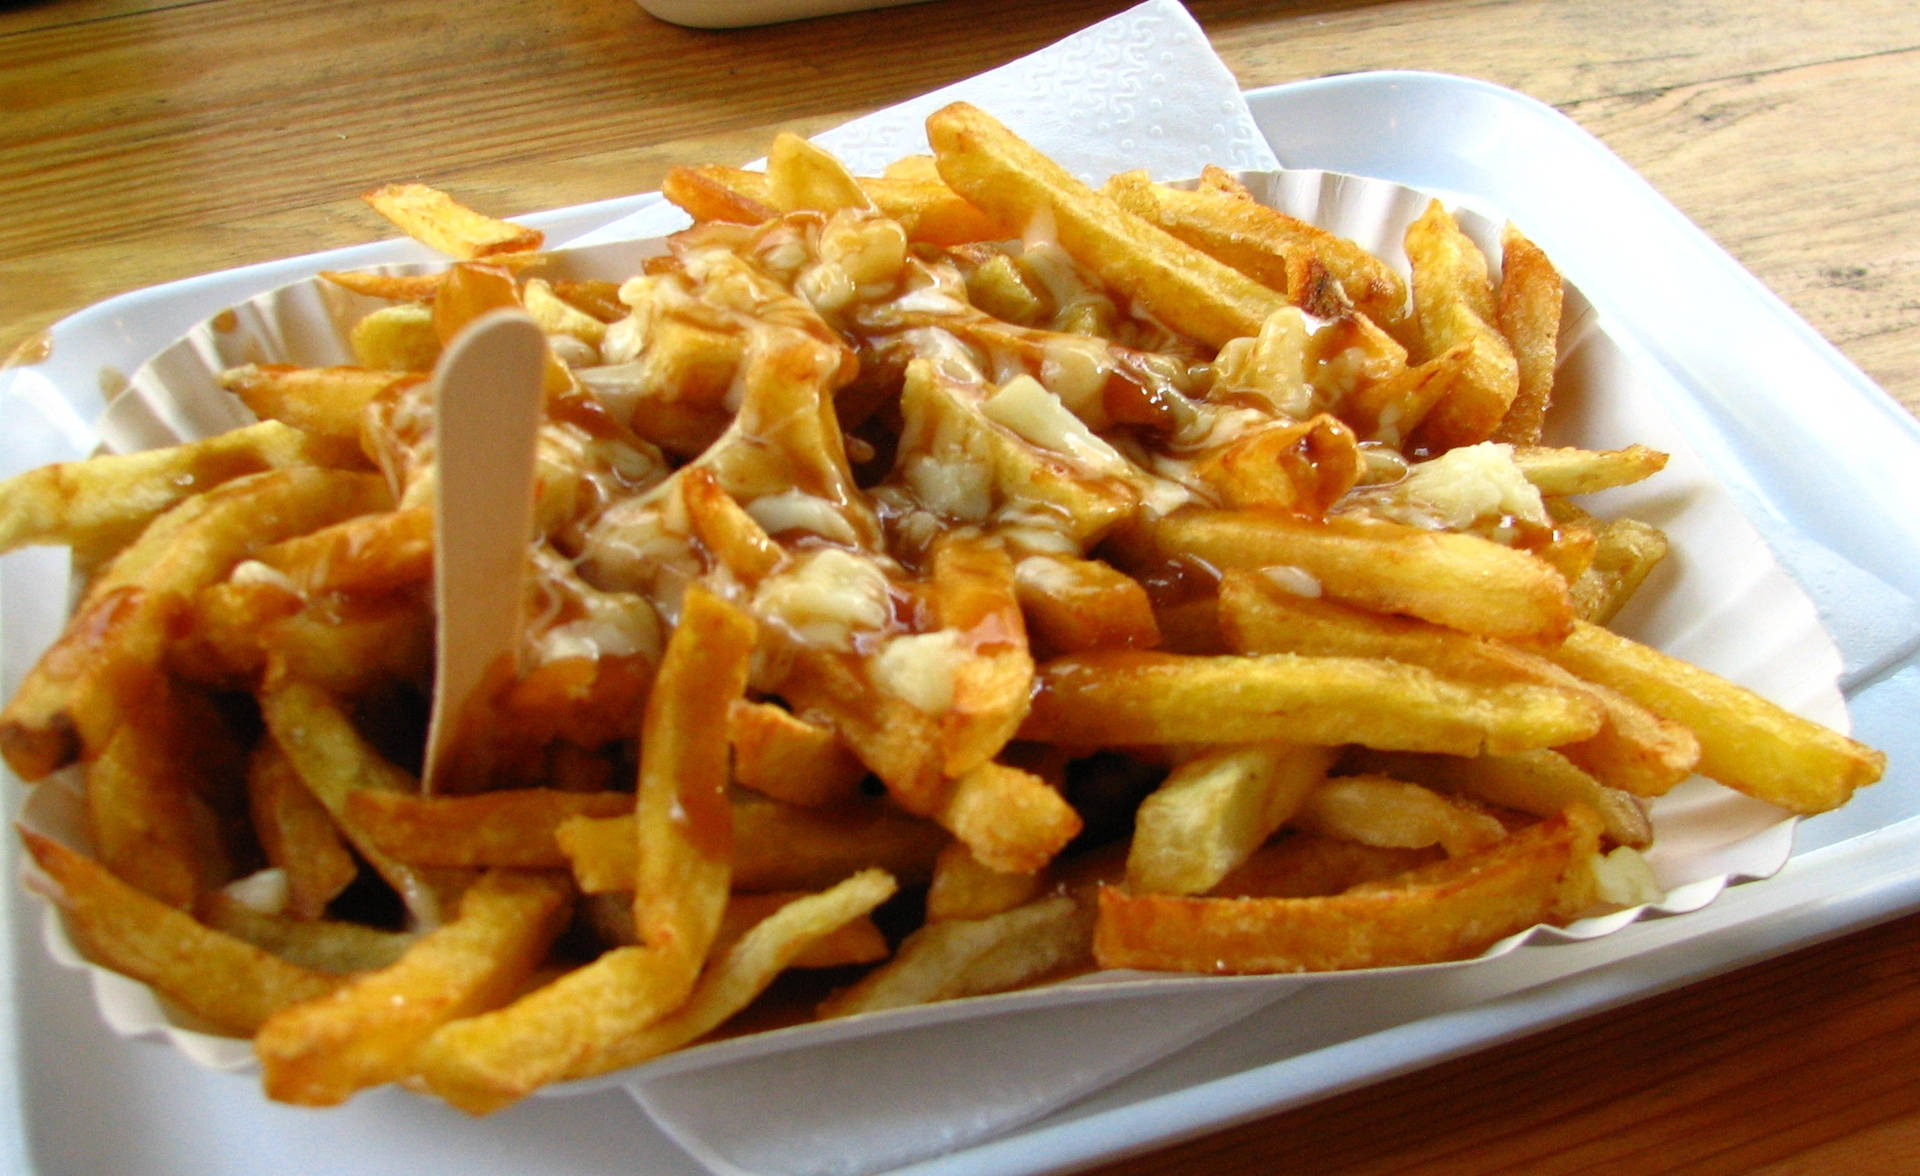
<point>796,413</point>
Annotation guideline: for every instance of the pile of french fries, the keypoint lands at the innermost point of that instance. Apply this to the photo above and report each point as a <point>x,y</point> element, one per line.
<point>944,581</point>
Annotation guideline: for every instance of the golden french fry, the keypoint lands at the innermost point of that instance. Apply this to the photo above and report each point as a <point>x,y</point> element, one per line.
<point>435,219</point>
<point>1748,743</point>
<point>783,756</point>
<point>1016,185</point>
<point>397,338</point>
<point>231,984</point>
<point>296,833</point>
<point>332,946</point>
<point>715,193</point>
<point>557,316</point>
<point>325,402</point>
<point>971,957</point>
<point>801,176</point>
<point>1527,312</point>
<point>776,846</point>
<point>1633,748</point>
<point>365,1033</point>
<point>1539,782</point>
<point>102,503</point>
<point>1459,580</point>
<point>1073,604</point>
<point>1379,810</point>
<point>1302,865</point>
<point>1303,467</point>
<point>1266,244</point>
<point>1625,553</point>
<point>683,823</point>
<point>153,793</point>
<point>1453,305</point>
<point>1108,699</point>
<point>1214,810</point>
<point>858,941</point>
<point>334,760</point>
<point>369,553</point>
<point>507,828</point>
<point>393,287</point>
<point>1566,471</point>
<point>1449,910</point>
<point>1010,819</point>
<point>963,887</point>
<point>745,970</point>
<point>76,694</point>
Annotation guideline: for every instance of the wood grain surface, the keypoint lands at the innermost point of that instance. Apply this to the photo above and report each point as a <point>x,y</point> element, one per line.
<point>147,140</point>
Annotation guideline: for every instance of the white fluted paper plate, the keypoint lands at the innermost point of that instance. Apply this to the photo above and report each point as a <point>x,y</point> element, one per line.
<point>1745,620</point>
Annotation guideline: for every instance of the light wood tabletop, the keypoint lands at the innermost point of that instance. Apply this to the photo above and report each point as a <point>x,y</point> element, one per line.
<point>143,141</point>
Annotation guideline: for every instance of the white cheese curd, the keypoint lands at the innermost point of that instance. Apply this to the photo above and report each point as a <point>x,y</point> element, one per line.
<point>251,571</point>
<point>796,510</point>
<point>920,668</point>
<point>1025,406</point>
<point>825,596</point>
<point>1464,486</point>
<point>1298,581</point>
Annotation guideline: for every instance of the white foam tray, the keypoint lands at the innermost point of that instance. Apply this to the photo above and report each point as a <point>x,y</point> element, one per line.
<point>79,1100</point>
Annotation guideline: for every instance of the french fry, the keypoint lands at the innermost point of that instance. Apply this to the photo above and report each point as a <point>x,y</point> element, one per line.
<point>370,553</point>
<point>333,946</point>
<point>746,969</point>
<point>1445,911</point>
<point>857,941</point>
<point>1266,245</point>
<point>1462,581</point>
<point>971,957</point>
<point>1169,279</point>
<point>1748,743</point>
<point>1073,604</point>
<point>775,846</point>
<point>76,694</point>
<point>435,219</point>
<point>1625,553</point>
<point>397,338</point>
<point>1010,819</point>
<point>801,176</point>
<point>506,828</point>
<point>926,208</point>
<point>783,756</point>
<point>332,758</point>
<point>683,823</point>
<point>1633,748</point>
<point>325,402</point>
<point>1453,305</point>
<point>1540,782</point>
<point>393,287</point>
<point>229,983</point>
<point>1379,810</point>
<point>1214,810</point>
<point>365,1033</point>
<point>152,794</point>
<point>1303,865</point>
<point>102,503</point>
<point>963,887</point>
<point>1106,699</point>
<point>296,833</point>
<point>1527,311</point>
<point>1565,471</point>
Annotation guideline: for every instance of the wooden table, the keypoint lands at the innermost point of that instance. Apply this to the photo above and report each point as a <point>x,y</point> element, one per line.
<point>143,142</point>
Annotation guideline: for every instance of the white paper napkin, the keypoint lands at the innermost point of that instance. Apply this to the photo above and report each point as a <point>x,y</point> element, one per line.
<point>1141,89</point>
